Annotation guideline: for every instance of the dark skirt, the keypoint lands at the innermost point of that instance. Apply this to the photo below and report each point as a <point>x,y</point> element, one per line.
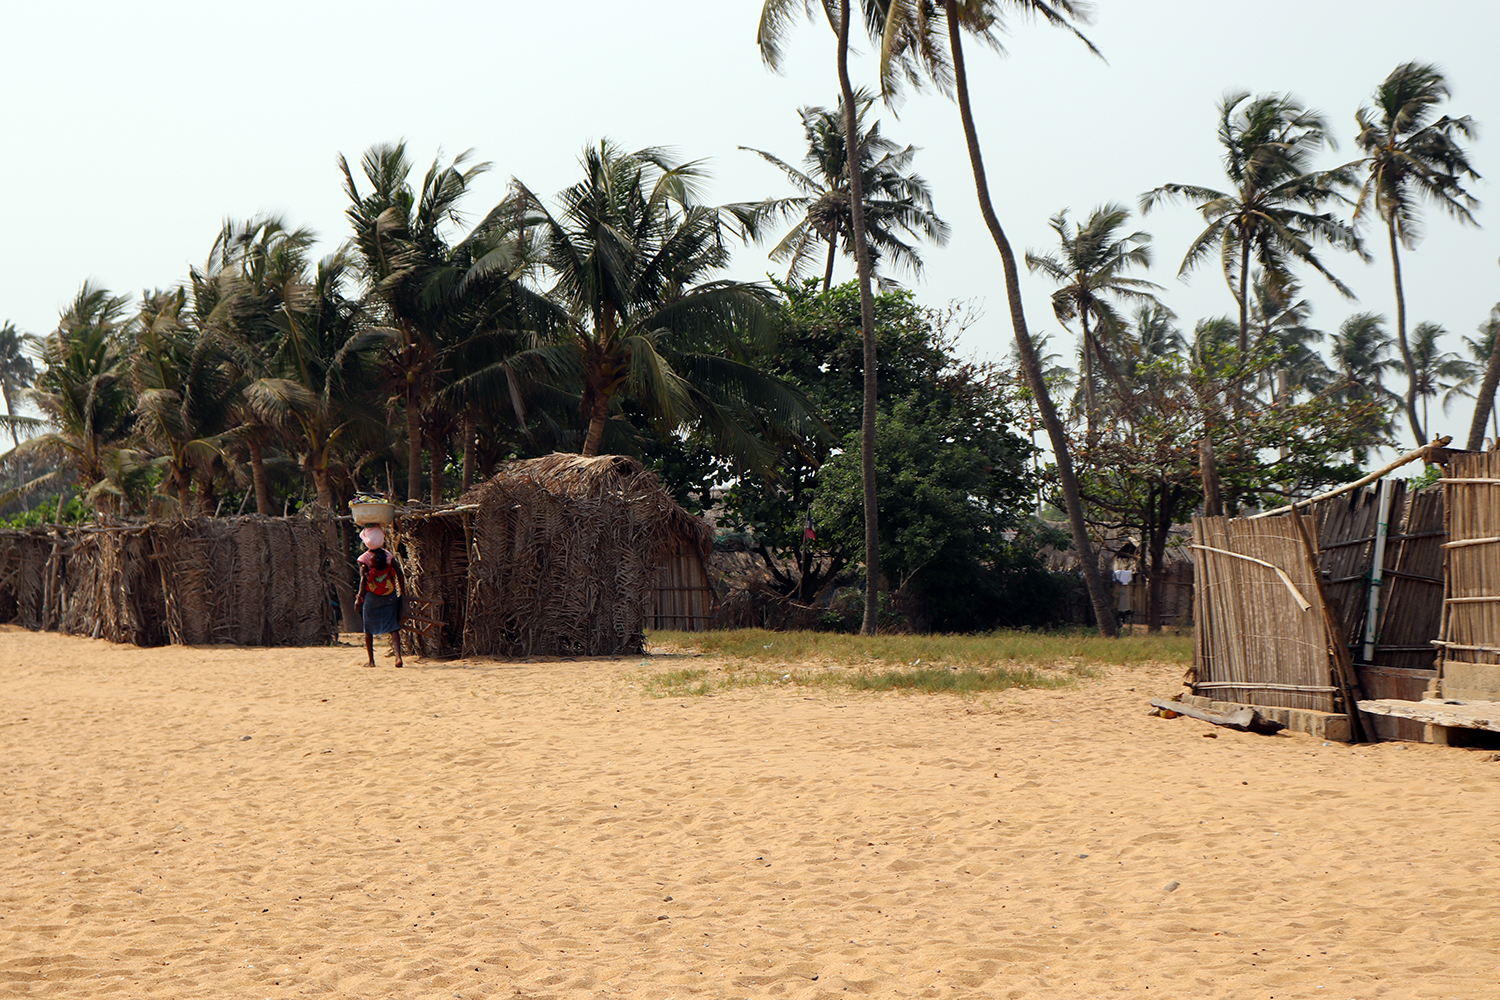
<point>382,613</point>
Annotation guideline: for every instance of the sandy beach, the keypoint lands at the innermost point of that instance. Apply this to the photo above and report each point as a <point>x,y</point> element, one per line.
<point>223,822</point>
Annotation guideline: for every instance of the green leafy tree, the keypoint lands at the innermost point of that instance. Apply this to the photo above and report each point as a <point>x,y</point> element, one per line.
<point>952,481</point>
<point>819,349</point>
<point>1411,157</point>
<point>896,200</point>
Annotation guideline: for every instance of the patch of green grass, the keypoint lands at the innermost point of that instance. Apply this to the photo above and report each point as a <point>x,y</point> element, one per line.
<point>958,664</point>
<point>1044,649</point>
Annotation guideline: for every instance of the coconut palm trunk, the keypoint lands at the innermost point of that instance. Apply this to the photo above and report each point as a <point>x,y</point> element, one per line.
<point>258,474</point>
<point>1030,364</point>
<point>1484,402</point>
<point>867,329</point>
<point>1401,341</point>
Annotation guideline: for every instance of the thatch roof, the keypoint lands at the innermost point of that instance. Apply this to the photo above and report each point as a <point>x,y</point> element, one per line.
<point>578,477</point>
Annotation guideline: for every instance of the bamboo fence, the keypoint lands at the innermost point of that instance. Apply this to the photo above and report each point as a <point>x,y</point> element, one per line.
<point>1252,642</point>
<point>1261,638</point>
<point>1470,639</point>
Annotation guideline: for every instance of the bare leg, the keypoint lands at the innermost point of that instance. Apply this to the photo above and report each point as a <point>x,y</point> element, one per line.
<point>370,649</point>
<point>396,641</point>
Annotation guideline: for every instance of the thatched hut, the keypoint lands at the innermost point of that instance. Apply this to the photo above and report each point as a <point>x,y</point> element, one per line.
<point>562,555</point>
<point>249,581</point>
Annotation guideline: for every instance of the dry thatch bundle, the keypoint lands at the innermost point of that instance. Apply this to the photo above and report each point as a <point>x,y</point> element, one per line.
<point>566,553</point>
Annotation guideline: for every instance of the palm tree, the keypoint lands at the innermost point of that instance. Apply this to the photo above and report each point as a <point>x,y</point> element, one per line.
<point>184,380</point>
<point>911,35</point>
<point>1437,370</point>
<point>776,16</point>
<point>895,199</point>
<point>239,294</point>
<point>1484,351</point>
<point>1270,215</point>
<point>1090,270</point>
<point>83,394</point>
<point>1361,354</point>
<point>16,373</point>
<point>404,253</point>
<point>1410,157</point>
<point>635,312</point>
<point>1280,321</point>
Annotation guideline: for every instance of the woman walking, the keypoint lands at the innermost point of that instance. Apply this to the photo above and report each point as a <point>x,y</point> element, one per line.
<point>379,600</point>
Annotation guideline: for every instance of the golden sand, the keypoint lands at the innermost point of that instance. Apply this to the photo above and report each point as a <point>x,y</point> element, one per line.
<point>223,822</point>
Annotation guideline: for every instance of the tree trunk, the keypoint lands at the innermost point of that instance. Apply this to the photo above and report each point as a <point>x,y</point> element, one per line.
<point>413,447</point>
<point>1103,610</point>
<point>1484,401</point>
<point>1406,358</point>
<point>258,474</point>
<point>833,249</point>
<point>439,467</point>
<point>1090,405</point>
<point>1156,556</point>
<point>1244,295</point>
<point>1208,471</point>
<point>598,413</point>
<point>867,329</point>
<point>471,433</point>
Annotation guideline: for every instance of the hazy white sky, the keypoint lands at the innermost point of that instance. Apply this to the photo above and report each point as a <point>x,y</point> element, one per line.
<point>132,131</point>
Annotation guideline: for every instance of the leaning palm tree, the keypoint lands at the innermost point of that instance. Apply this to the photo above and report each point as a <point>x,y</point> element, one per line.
<point>1270,215</point>
<point>637,313</point>
<point>921,40</point>
<point>895,198</point>
<point>1485,350</point>
<point>775,21</point>
<point>1090,270</point>
<point>1410,157</point>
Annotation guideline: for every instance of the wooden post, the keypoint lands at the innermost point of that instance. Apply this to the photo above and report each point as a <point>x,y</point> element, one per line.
<point>1343,662</point>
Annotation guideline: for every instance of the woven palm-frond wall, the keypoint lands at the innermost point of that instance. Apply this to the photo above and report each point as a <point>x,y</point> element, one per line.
<point>24,560</point>
<point>251,581</point>
<point>567,551</point>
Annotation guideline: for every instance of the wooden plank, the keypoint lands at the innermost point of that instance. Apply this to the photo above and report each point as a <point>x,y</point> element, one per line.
<point>1246,720</point>
<point>1459,715</point>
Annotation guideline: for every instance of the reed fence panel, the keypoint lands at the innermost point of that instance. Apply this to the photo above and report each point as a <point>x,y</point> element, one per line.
<point>1470,640</point>
<point>1261,637</point>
